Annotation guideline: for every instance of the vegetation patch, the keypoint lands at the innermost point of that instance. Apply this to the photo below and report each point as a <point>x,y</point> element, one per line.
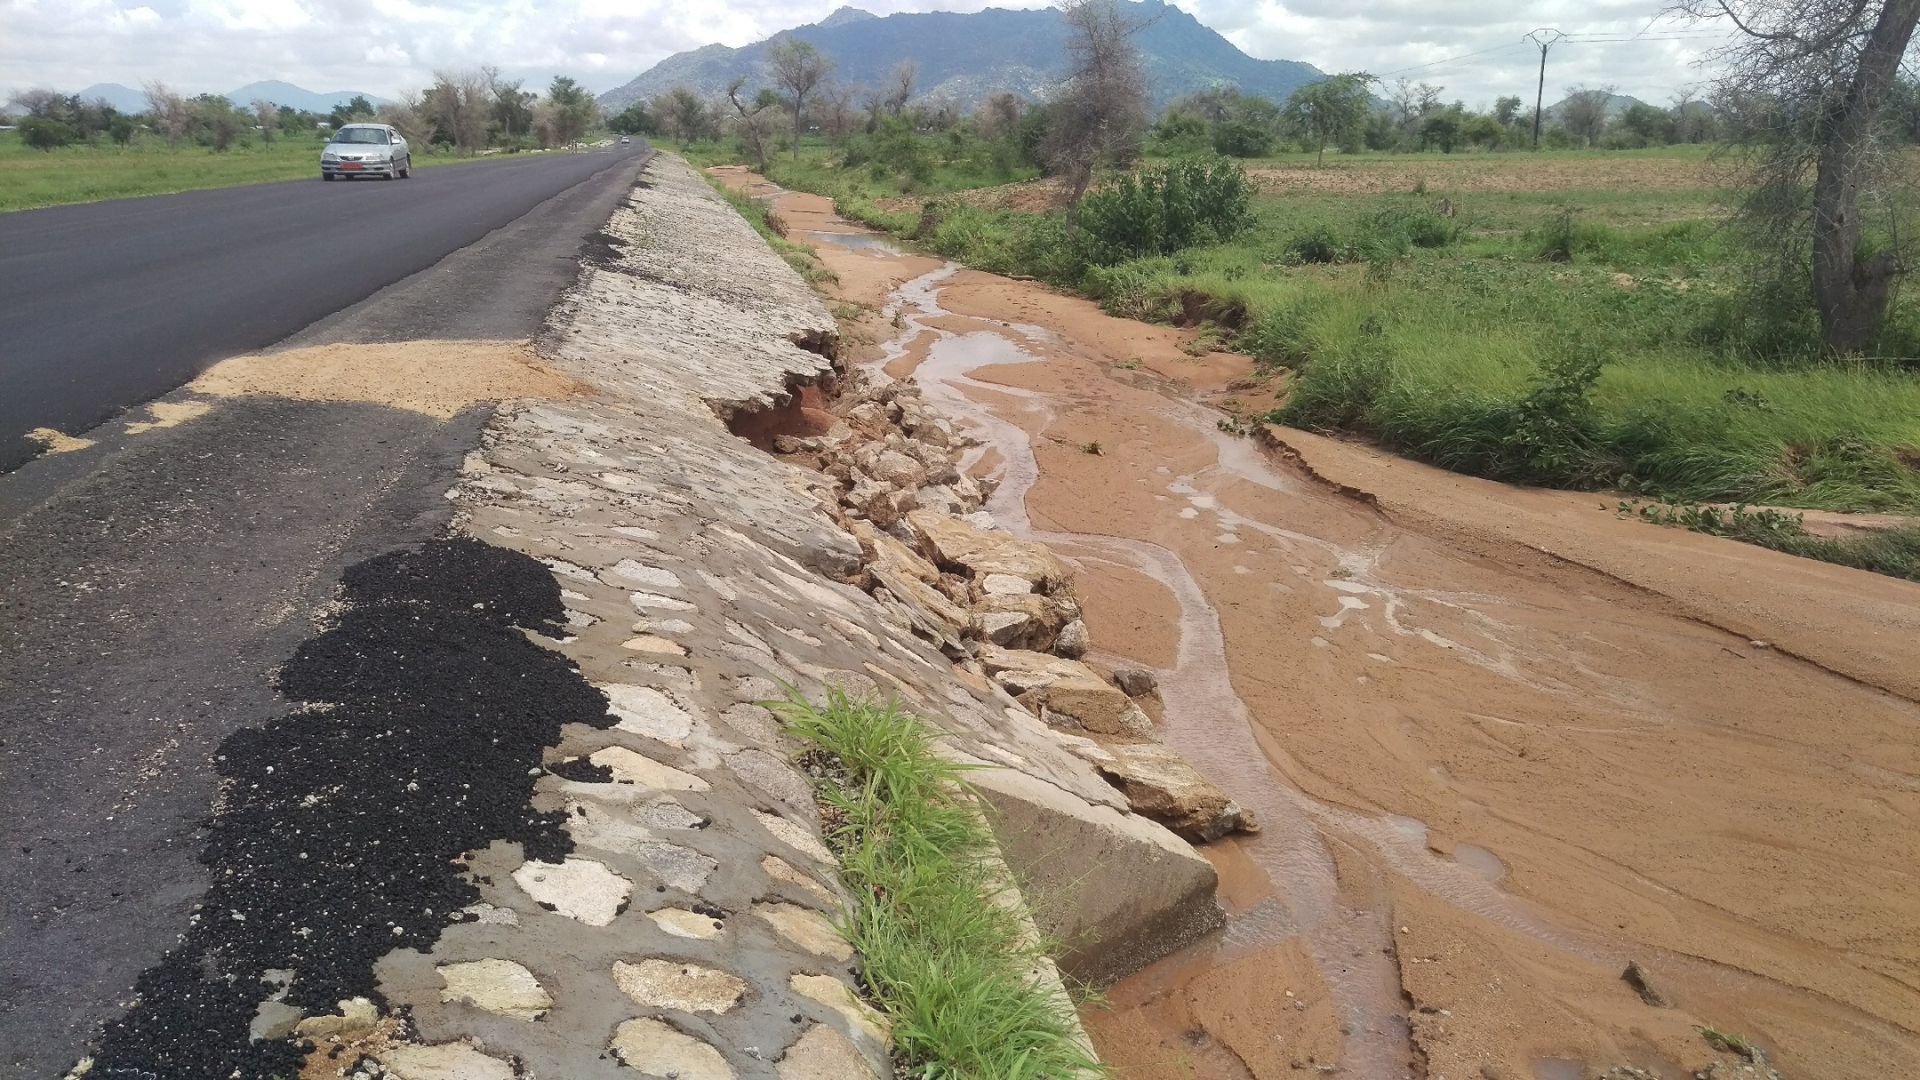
<point>1894,552</point>
<point>947,958</point>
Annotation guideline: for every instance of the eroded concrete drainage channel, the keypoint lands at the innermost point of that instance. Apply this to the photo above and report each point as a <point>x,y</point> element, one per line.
<point>632,878</point>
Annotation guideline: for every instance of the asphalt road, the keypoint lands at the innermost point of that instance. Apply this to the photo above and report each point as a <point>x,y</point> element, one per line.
<point>114,303</point>
<point>151,584</point>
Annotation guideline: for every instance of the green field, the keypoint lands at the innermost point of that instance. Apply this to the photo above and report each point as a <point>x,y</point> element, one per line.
<point>79,174</point>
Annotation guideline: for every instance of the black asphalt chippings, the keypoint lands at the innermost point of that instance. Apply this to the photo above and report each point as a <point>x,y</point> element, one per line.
<point>417,735</point>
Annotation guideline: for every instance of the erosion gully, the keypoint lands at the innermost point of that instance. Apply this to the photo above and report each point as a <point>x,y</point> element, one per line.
<point>1488,779</point>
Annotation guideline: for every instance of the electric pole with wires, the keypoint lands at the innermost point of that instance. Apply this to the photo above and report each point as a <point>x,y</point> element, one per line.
<point>1546,40</point>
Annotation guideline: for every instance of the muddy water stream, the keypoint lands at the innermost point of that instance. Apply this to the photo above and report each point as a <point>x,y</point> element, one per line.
<point>1487,779</point>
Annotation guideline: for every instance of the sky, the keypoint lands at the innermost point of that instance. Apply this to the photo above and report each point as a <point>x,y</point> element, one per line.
<point>1472,48</point>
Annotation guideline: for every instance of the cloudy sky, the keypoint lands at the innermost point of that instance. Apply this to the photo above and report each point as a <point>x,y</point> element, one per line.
<point>1471,47</point>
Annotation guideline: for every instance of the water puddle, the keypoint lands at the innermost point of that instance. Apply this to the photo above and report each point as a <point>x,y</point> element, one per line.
<point>856,242</point>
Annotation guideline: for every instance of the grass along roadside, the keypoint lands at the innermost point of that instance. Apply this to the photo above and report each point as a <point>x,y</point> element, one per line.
<point>946,959</point>
<point>30,179</point>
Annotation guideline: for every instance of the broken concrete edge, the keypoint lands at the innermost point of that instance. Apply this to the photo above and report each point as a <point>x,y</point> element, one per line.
<point>640,501</point>
<point>979,593</point>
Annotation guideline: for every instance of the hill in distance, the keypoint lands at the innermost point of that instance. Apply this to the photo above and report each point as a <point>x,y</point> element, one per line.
<point>129,100</point>
<point>966,57</point>
<point>281,93</point>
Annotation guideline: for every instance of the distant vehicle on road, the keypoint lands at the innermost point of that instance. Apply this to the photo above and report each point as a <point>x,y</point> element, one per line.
<point>366,150</point>
<point>624,140</point>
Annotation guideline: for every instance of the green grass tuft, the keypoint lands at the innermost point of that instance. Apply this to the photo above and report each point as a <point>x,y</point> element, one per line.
<point>946,959</point>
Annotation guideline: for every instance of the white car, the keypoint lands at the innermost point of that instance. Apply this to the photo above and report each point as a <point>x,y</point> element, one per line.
<point>366,150</point>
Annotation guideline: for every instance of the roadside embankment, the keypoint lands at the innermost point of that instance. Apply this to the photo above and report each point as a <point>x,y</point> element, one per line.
<point>690,930</point>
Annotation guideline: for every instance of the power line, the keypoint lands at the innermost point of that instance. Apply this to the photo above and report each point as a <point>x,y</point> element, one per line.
<point>1451,59</point>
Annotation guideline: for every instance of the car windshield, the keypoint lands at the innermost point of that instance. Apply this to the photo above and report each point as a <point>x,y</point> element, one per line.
<point>360,135</point>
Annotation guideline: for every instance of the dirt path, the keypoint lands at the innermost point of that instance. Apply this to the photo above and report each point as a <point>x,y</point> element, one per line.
<point>1503,743</point>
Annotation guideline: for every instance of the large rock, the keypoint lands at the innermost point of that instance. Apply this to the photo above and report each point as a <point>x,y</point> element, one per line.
<point>887,553</point>
<point>1116,890</point>
<point>951,542</point>
<point>1027,621</point>
<point>1161,785</point>
<point>1065,693</point>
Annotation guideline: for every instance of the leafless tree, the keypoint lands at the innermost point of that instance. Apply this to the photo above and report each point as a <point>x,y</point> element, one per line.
<point>757,125</point>
<point>998,116</point>
<point>40,101</point>
<point>1805,86</point>
<point>459,104</point>
<point>1584,113</point>
<point>800,70</point>
<point>172,115</point>
<point>267,115</point>
<point>405,115</point>
<point>874,102</point>
<point>1100,115</point>
<point>837,113</point>
<point>900,85</point>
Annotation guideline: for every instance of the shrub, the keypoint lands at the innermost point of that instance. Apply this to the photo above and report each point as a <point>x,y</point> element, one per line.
<point>1162,210</point>
<point>42,133</point>
<point>1316,245</point>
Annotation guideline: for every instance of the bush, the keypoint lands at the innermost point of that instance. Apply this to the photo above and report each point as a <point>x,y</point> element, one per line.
<point>42,133</point>
<point>1162,210</point>
<point>1316,245</point>
<point>1242,139</point>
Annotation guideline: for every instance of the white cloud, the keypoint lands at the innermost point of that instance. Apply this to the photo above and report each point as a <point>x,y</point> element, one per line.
<point>388,46</point>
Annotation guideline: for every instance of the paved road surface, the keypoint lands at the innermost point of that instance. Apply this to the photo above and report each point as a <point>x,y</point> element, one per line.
<point>150,584</point>
<point>110,304</point>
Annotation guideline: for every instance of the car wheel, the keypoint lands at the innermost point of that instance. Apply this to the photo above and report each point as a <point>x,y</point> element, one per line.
<point>406,173</point>
<point>327,176</point>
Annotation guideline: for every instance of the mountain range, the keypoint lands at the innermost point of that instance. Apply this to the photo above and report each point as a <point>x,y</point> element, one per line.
<point>128,100</point>
<point>966,57</point>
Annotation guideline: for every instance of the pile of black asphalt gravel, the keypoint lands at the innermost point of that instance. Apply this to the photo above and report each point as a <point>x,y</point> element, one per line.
<point>415,735</point>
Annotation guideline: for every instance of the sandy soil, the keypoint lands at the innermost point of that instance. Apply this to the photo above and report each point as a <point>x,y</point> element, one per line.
<point>1503,741</point>
<point>436,378</point>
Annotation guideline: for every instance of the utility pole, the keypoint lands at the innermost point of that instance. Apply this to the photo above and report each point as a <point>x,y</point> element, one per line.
<point>1545,39</point>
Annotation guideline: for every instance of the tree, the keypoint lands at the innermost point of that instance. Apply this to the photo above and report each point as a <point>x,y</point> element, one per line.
<point>267,116</point>
<point>684,115</point>
<point>172,117</point>
<point>511,107</point>
<point>458,106</point>
<point>1584,113</point>
<point>1506,110</point>
<point>355,108</point>
<point>218,120</point>
<point>571,110</point>
<point>899,89</point>
<point>44,133</point>
<point>755,122</point>
<point>1810,80</point>
<point>1331,109</point>
<point>1098,118</point>
<point>1649,125</point>
<point>633,120</point>
<point>998,116</point>
<point>407,115</point>
<point>837,114</point>
<point>799,69</point>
